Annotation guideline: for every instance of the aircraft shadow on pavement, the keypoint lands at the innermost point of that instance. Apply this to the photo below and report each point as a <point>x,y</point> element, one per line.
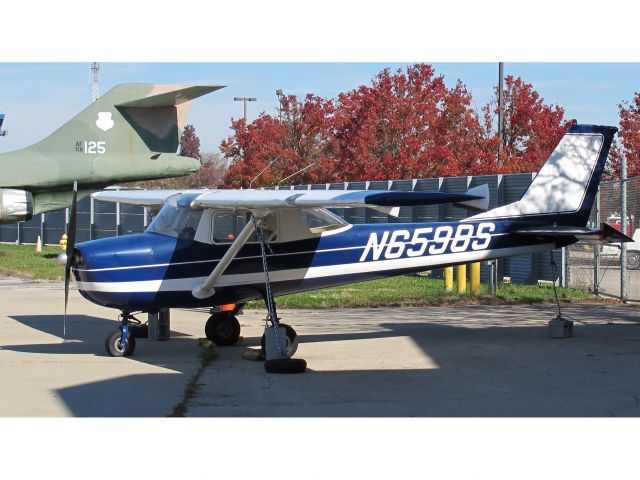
<point>480,371</point>
<point>141,395</point>
<point>85,334</point>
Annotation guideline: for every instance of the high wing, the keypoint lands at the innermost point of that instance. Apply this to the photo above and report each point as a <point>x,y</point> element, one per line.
<point>145,198</point>
<point>386,200</point>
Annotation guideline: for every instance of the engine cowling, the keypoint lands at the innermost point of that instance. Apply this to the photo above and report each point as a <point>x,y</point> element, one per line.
<point>15,205</point>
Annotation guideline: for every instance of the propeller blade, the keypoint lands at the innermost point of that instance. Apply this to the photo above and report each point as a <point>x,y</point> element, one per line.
<point>71,243</point>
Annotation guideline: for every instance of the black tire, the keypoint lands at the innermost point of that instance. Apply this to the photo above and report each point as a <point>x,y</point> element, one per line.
<point>223,329</point>
<point>286,365</point>
<point>633,260</point>
<point>292,340</point>
<point>115,349</point>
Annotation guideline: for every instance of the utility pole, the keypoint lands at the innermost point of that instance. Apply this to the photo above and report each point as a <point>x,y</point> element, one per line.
<point>245,100</point>
<point>493,274</point>
<point>95,93</point>
<point>500,110</point>
<point>623,228</point>
<point>280,95</point>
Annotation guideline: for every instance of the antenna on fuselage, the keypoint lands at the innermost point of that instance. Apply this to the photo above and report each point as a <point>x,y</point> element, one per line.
<point>264,169</point>
<point>296,173</point>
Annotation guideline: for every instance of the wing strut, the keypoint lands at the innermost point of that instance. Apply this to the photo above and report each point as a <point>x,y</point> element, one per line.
<point>206,289</point>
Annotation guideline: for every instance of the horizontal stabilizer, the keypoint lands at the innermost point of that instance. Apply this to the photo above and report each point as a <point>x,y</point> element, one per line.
<point>170,95</point>
<point>605,234</point>
<point>481,200</point>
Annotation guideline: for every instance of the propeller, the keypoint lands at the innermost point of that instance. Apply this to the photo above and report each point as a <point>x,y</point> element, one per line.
<point>71,243</point>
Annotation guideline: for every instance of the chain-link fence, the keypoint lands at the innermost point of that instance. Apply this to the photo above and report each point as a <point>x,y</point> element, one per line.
<point>599,267</point>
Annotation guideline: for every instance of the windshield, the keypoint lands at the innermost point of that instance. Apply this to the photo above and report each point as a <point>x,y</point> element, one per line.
<point>176,218</point>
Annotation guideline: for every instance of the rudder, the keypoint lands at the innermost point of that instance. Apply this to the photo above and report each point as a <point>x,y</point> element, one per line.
<point>564,190</point>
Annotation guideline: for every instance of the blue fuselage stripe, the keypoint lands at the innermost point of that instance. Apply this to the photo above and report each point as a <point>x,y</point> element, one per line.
<point>151,258</point>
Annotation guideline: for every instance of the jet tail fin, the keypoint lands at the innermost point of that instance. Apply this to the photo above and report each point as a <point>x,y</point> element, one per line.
<point>564,190</point>
<point>131,119</point>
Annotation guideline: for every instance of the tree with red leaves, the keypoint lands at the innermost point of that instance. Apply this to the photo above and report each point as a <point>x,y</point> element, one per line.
<point>189,143</point>
<point>628,142</point>
<point>532,129</point>
<point>301,137</point>
<point>406,125</point>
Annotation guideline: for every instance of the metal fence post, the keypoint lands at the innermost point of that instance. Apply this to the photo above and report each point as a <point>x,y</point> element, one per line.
<point>596,250</point>
<point>623,225</point>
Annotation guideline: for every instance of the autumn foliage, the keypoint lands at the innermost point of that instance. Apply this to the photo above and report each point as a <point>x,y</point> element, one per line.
<point>532,129</point>
<point>212,167</point>
<point>405,124</point>
<point>628,141</point>
<point>303,136</point>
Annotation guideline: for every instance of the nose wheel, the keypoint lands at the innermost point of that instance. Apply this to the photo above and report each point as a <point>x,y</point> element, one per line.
<point>121,342</point>
<point>116,348</point>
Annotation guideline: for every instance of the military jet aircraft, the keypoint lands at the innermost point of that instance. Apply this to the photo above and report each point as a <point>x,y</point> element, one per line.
<point>214,247</point>
<point>130,133</point>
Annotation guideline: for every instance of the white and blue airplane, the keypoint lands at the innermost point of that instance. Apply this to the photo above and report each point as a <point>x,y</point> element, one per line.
<point>209,248</point>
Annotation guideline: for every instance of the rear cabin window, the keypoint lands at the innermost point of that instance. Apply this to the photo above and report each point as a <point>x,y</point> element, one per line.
<point>228,225</point>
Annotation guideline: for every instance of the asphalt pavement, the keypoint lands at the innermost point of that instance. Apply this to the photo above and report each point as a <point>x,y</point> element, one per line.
<point>432,362</point>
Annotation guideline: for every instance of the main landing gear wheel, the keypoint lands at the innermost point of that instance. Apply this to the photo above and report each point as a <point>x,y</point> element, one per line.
<point>633,260</point>
<point>114,347</point>
<point>223,329</point>
<point>291,341</point>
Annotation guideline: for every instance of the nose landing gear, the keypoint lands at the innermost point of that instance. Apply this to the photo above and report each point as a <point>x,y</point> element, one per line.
<point>122,342</point>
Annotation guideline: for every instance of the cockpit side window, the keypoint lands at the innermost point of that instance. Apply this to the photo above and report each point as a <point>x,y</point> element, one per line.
<point>227,225</point>
<point>176,219</point>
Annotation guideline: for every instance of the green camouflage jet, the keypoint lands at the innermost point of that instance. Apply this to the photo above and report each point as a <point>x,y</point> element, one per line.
<point>131,133</point>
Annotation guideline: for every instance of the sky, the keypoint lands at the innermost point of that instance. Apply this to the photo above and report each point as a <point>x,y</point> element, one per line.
<point>39,97</point>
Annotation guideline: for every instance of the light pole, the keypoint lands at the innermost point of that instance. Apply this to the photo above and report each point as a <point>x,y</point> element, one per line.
<point>500,110</point>
<point>245,100</point>
<point>280,95</point>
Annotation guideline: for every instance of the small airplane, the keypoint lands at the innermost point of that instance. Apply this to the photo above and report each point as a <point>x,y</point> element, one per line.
<point>210,248</point>
<point>130,133</point>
